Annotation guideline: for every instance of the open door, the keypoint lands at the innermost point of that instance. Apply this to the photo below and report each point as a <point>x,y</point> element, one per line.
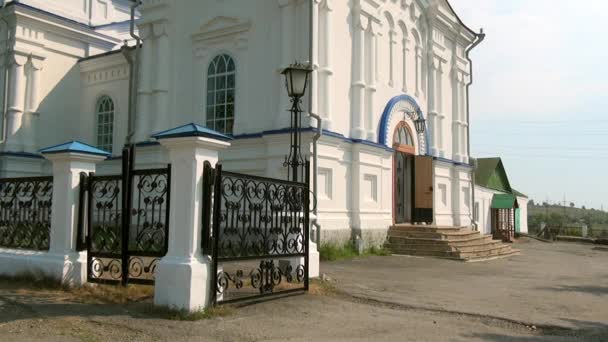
<point>423,189</point>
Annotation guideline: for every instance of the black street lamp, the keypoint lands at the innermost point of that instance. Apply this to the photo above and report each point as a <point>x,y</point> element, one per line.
<point>417,118</point>
<point>296,81</point>
<point>419,122</point>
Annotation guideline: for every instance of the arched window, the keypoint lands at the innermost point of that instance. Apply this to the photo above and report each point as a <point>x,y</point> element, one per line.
<point>220,94</point>
<point>403,140</point>
<point>403,136</point>
<point>105,123</point>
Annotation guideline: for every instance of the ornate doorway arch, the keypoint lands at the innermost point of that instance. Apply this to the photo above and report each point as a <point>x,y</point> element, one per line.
<point>413,175</point>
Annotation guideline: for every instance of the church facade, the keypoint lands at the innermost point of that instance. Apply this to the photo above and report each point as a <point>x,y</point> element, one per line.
<point>378,65</point>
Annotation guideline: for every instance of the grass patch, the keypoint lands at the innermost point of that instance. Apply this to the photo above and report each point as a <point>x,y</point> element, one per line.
<point>183,315</point>
<point>333,252</point>
<point>111,294</point>
<point>33,280</point>
<point>320,287</point>
<point>87,294</point>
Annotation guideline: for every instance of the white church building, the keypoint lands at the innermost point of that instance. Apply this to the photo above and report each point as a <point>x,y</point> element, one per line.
<point>377,65</point>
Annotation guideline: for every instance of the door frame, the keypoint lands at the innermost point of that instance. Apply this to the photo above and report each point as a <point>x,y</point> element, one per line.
<point>408,150</point>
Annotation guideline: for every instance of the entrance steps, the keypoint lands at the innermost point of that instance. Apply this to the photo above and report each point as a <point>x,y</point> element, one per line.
<point>459,243</point>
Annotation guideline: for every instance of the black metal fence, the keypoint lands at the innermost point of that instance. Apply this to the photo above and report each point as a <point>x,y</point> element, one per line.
<point>135,243</point>
<point>25,212</point>
<point>259,236</point>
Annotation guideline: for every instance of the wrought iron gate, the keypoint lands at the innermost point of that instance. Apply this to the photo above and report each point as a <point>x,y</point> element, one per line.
<point>259,236</point>
<point>124,248</point>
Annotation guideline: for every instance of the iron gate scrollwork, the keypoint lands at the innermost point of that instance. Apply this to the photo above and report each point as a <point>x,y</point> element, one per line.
<point>25,212</point>
<point>259,235</point>
<point>138,241</point>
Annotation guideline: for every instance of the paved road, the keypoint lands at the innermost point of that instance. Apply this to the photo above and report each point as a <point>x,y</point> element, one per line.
<point>561,284</point>
<point>386,299</point>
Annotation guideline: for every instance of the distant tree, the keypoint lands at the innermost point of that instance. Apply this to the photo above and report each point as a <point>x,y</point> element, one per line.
<point>531,203</point>
<point>583,207</point>
<point>571,204</point>
<point>545,204</point>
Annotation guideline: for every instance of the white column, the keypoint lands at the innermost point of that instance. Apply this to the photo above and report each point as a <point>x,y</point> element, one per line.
<point>183,276</point>
<point>371,84</point>
<point>63,260</point>
<point>33,102</point>
<point>358,85</point>
<point>391,51</point>
<point>433,117</point>
<point>418,71</point>
<point>456,124</point>
<point>315,62</point>
<point>287,58</point>
<point>463,115</point>
<point>161,89</point>
<point>16,103</point>
<point>325,71</point>
<point>405,50</point>
<point>145,109</point>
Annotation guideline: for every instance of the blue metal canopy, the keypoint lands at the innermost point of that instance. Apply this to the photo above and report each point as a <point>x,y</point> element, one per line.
<point>76,147</point>
<point>191,130</point>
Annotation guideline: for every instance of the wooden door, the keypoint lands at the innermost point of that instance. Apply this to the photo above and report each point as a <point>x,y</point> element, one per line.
<point>423,189</point>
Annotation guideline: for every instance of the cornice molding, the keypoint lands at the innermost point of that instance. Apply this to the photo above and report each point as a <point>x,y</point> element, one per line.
<point>221,30</point>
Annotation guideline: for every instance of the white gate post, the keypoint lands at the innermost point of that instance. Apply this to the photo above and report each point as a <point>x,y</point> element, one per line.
<point>183,276</point>
<point>70,159</point>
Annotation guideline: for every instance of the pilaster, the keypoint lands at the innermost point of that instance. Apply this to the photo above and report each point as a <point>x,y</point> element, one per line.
<point>69,160</point>
<point>358,72</point>
<point>184,278</point>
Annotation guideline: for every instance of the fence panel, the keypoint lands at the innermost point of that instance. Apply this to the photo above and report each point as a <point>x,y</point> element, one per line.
<point>25,212</point>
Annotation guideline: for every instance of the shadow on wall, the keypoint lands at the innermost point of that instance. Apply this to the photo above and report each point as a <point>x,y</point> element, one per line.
<point>67,112</point>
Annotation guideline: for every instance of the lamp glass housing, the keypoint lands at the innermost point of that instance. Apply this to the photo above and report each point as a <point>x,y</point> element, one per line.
<point>296,79</point>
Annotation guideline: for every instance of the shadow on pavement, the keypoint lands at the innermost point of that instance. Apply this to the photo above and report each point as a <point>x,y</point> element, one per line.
<point>581,331</point>
<point>590,289</point>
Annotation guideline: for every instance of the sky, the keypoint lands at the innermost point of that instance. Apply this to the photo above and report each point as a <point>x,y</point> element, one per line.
<point>540,95</point>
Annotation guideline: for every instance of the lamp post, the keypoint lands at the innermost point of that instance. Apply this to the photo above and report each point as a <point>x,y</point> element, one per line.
<point>296,80</point>
<point>419,122</point>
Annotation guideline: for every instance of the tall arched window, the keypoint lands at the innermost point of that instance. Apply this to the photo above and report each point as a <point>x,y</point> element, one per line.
<point>105,123</point>
<point>221,81</point>
<point>403,140</point>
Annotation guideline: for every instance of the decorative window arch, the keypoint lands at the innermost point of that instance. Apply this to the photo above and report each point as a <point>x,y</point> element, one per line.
<point>221,84</point>
<point>104,113</point>
<point>403,139</point>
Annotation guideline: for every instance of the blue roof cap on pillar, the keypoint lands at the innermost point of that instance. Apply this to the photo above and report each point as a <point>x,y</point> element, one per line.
<point>74,147</point>
<point>191,130</point>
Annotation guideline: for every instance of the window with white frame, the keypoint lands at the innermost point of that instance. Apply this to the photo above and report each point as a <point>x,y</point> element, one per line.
<point>105,123</point>
<point>221,81</point>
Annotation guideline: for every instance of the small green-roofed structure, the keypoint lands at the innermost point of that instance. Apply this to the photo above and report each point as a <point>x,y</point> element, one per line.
<point>491,174</point>
<point>504,208</point>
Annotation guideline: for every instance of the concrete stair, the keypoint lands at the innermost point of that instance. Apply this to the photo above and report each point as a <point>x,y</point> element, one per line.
<point>459,243</point>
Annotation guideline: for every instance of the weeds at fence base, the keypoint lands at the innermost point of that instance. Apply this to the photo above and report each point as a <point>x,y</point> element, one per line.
<point>184,315</point>
<point>87,294</point>
<point>333,252</point>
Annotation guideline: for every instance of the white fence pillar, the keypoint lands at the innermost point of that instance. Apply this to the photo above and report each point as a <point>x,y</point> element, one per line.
<point>183,276</point>
<point>63,261</point>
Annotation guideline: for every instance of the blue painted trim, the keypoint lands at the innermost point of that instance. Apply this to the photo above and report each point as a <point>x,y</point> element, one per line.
<point>386,119</point>
<point>453,162</point>
<point>21,154</point>
<point>313,129</point>
<point>74,146</point>
<point>191,130</point>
